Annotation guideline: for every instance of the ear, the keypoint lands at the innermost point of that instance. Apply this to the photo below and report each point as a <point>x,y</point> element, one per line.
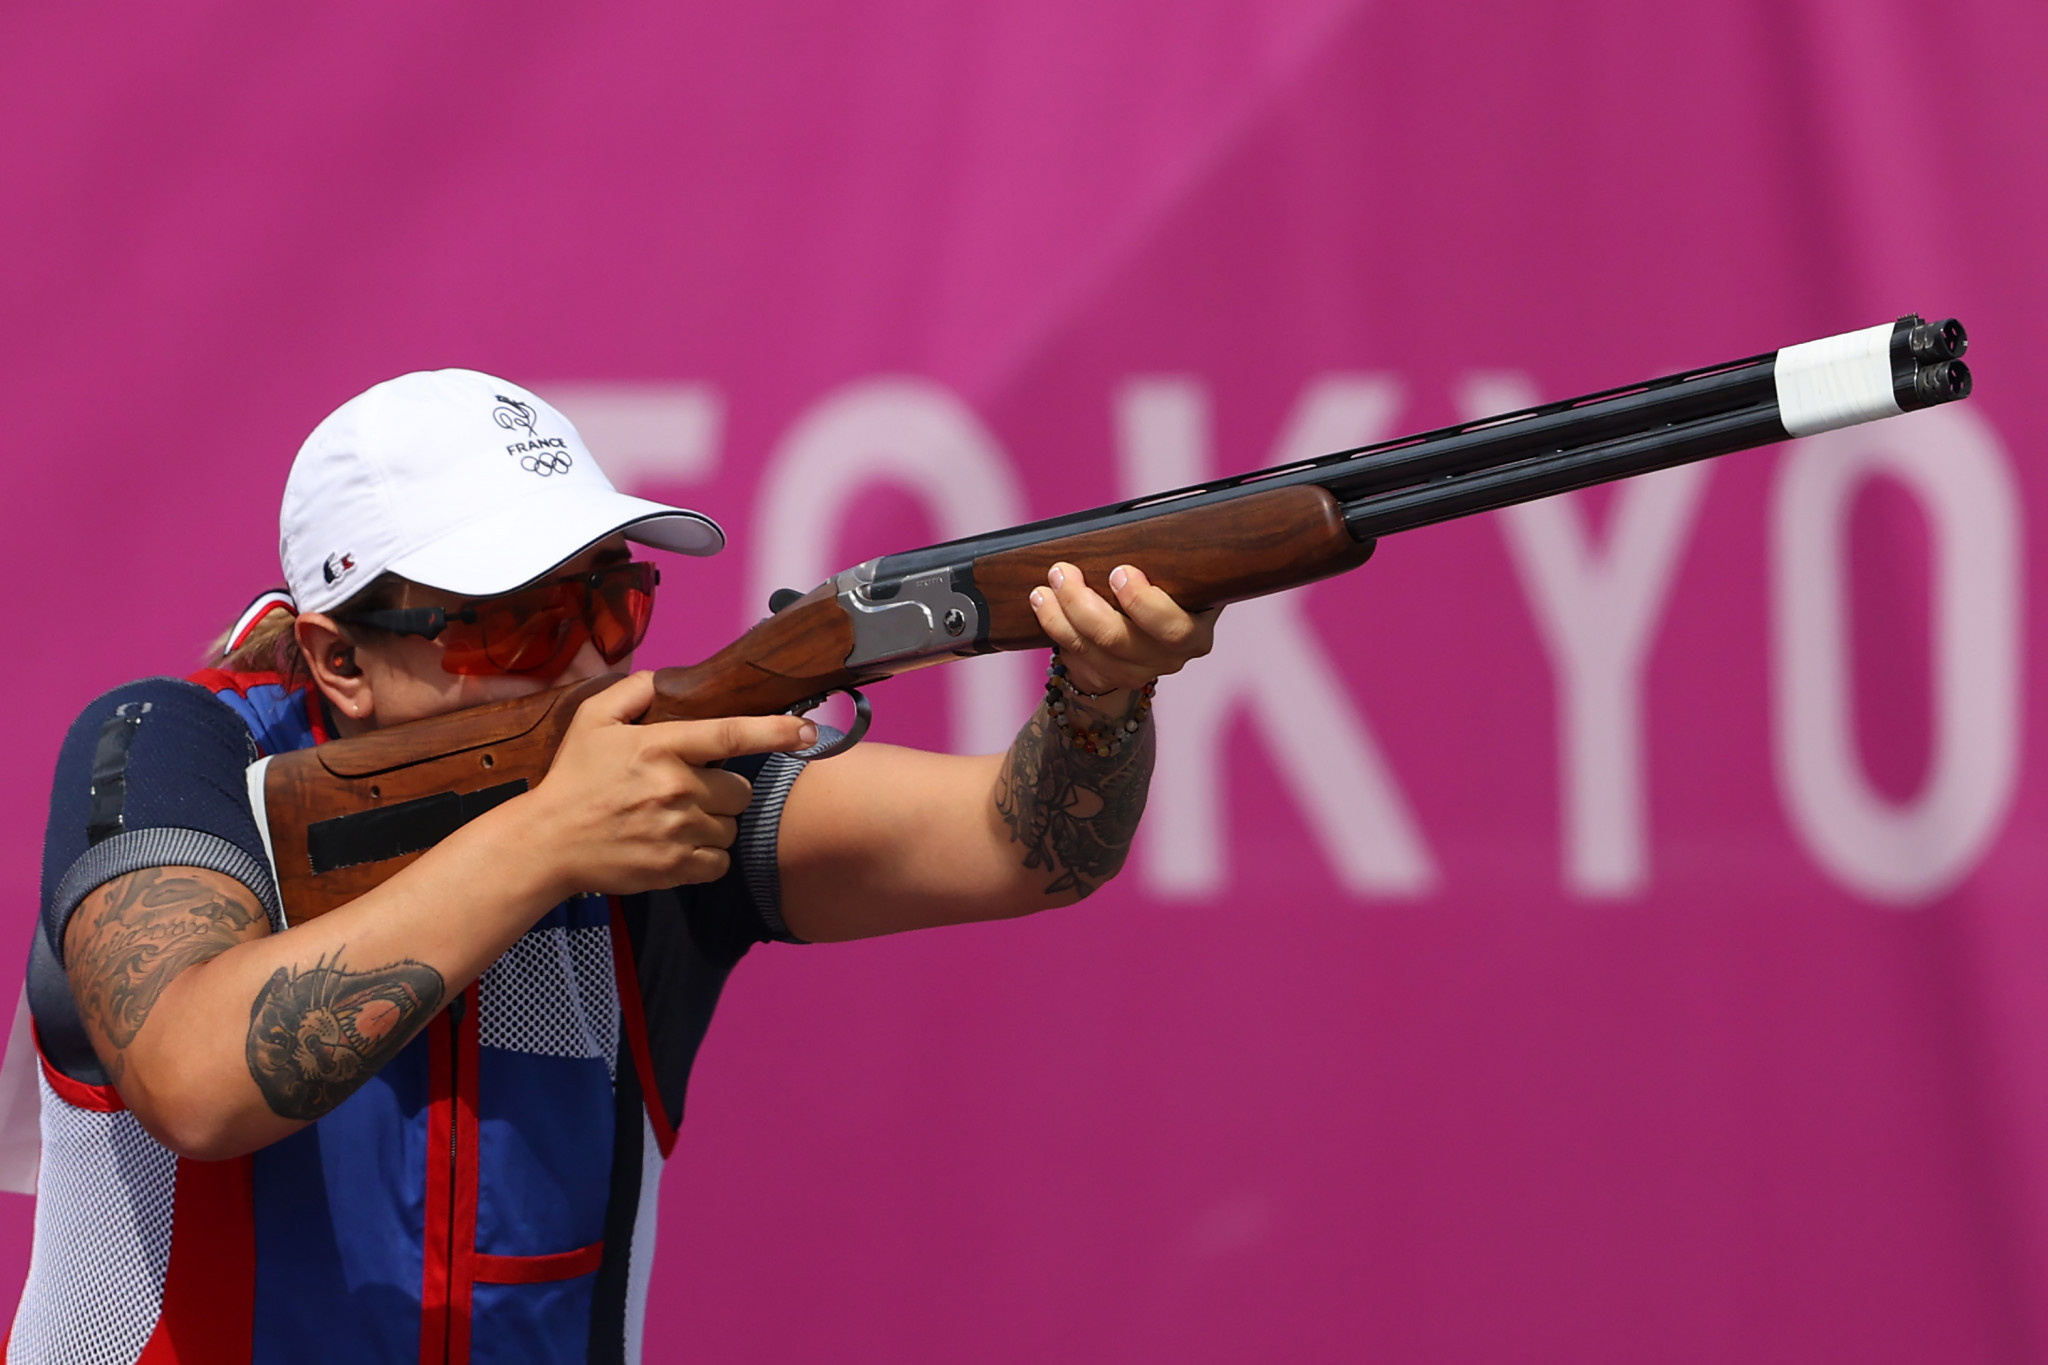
<point>331,658</point>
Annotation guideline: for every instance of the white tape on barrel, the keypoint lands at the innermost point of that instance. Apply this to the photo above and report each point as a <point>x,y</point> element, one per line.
<point>1836,381</point>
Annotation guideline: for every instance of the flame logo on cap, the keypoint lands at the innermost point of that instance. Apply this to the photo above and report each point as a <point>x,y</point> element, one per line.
<point>538,454</point>
<point>514,415</point>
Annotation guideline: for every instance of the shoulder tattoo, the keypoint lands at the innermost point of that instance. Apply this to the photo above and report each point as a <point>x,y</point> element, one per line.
<point>139,932</point>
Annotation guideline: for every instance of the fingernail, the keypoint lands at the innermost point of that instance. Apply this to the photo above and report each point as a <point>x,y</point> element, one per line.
<point>1058,576</point>
<point>1118,577</point>
<point>807,733</point>
<point>1038,597</point>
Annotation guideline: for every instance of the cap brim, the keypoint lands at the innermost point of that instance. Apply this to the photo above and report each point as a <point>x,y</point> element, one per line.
<point>516,544</point>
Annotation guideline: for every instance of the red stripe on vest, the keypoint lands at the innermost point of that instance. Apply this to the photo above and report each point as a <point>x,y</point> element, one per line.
<point>560,1265</point>
<point>440,1182</point>
<point>209,1306</point>
<point>101,1099</point>
<point>453,1053</point>
<point>628,974</point>
<point>316,715</point>
<point>220,680</point>
<point>462,1235</point>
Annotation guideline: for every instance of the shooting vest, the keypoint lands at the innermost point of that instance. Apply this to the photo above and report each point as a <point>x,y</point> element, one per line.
<point>489,1195</point>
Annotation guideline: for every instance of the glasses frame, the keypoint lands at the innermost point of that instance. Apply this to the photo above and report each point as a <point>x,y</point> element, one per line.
<point>430,622</point>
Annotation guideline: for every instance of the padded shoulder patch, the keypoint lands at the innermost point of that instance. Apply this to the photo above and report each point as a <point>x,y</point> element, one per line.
<point>149,775</point>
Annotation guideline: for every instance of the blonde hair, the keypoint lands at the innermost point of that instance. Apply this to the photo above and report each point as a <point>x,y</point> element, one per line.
<point>272,646</point>
<point>269,647</point>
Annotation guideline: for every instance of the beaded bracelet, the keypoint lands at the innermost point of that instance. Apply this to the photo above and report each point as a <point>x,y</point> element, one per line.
<point>1059,688</point>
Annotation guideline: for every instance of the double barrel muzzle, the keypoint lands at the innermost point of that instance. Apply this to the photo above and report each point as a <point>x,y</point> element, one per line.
<point>1927,364</point>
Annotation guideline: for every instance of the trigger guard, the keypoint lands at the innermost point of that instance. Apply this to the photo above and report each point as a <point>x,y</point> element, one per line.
<point>827,748</point>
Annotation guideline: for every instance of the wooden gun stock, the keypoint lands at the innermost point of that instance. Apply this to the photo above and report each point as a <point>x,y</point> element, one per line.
<point>343,816</point>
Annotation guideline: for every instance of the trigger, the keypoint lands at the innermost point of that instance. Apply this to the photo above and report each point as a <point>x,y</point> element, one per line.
<point>839,744</point>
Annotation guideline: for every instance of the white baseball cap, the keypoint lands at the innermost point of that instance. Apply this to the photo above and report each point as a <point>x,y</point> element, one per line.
<point>458,481</point>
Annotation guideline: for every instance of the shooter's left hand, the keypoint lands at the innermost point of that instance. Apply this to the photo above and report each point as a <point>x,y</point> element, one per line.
<point>1125,640</point>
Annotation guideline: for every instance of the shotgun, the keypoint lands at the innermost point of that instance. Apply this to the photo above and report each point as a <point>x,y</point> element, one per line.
<point>342,817</point>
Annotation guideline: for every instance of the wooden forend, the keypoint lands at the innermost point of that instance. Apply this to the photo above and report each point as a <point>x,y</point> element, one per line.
<point>1202,557</point>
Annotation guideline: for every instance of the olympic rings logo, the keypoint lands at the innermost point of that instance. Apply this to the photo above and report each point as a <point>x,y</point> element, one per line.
<point>546,462</point>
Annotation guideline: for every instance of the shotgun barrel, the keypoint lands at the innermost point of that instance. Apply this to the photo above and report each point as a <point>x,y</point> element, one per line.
<point>913,604</point>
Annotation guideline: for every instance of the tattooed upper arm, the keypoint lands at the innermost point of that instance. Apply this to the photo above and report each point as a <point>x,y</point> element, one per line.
<point>315,1032</point>
<point>130,938</point>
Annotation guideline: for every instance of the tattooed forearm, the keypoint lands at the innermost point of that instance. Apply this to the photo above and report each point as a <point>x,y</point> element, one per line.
<point>318,1033</point>
<point>1074,813</point>
<point>138,932</point>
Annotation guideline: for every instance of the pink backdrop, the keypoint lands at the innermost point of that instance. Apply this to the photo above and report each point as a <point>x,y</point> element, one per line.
<point>1513,966</point>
